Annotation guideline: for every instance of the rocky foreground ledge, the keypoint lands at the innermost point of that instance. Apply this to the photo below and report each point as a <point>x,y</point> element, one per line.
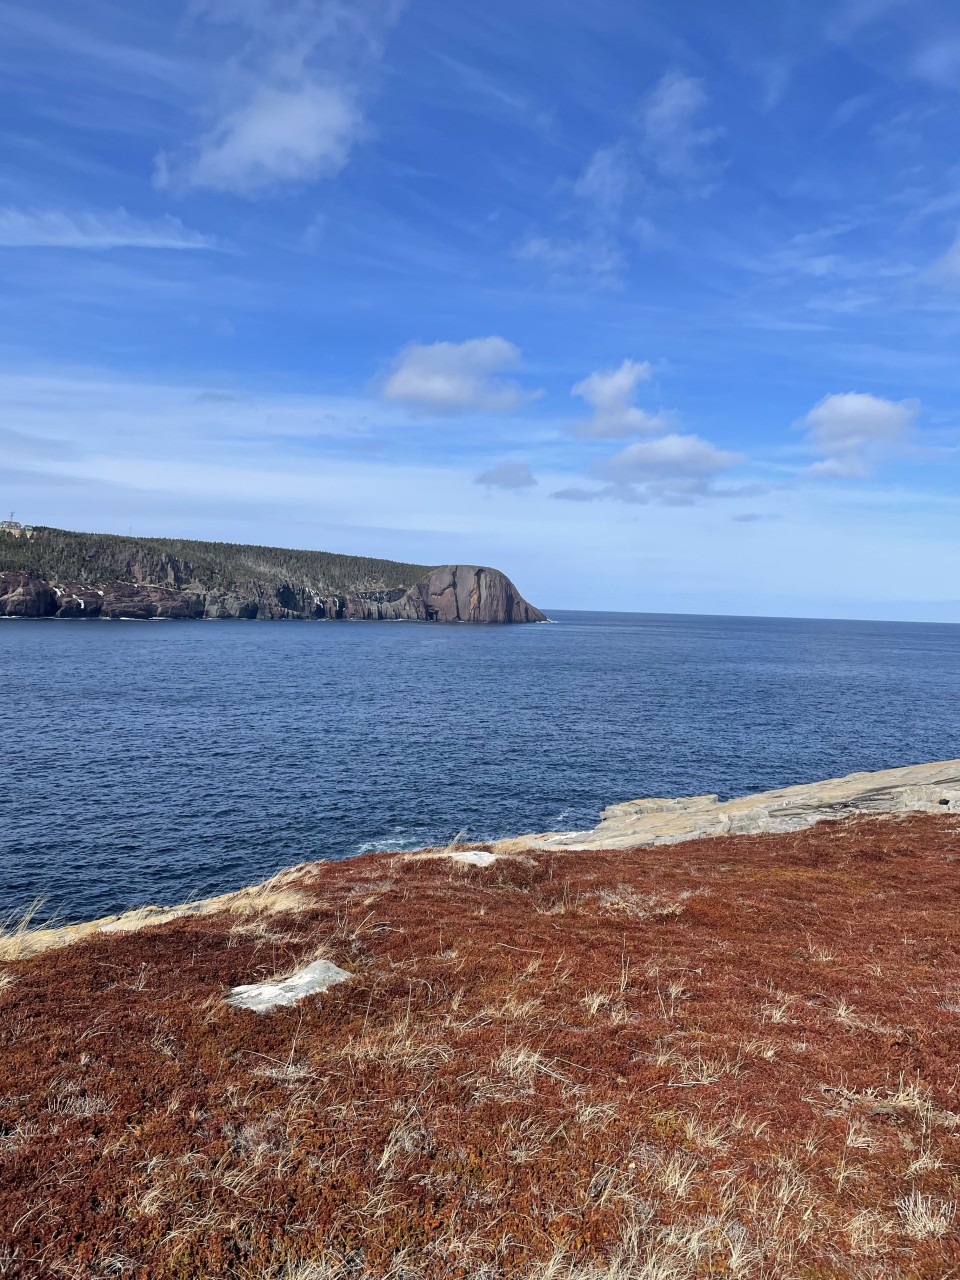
<point>925,788</point>
<point>729,1057</point>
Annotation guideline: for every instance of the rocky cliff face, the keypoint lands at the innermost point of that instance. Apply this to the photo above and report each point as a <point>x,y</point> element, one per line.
<point>161,589</point>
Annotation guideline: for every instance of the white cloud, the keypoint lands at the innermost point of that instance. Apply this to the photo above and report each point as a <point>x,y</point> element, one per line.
<point>57,229</point>
<point>456,377</point>
<point>855,431</point>
<point>606,178</point>
<point>675,470</point>
<point>665,152</point>
<point>508,475</point>
<point>671,136</point>
<point>595,258</point>
<point>671,458</point>
<point>289,106</point>
<point>297,134</point>
<point>611,393</point>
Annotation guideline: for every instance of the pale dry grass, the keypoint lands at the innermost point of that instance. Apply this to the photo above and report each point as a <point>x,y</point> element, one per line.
<point>697,1068</point>
<point>17,928</point>
<point>21,937</point>
<point>869,1233</point>
<point>926,1217</point>
<point>909,1099</point>
<point>514,1007</point>
<point>415,1048</point>
<point>650,906</point>
<point>679,1252</point>
<point>516,1073</point>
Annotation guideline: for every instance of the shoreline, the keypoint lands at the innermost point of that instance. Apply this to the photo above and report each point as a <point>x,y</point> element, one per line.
<point>634,824</point>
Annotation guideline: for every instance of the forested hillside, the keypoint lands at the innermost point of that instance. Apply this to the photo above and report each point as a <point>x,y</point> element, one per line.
<point>58,555</point>
<point>47,573</point>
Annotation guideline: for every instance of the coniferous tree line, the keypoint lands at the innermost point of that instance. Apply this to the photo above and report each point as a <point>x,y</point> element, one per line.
<point>59,555</point>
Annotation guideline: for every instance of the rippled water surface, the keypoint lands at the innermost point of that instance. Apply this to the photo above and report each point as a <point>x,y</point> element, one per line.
<point>154,761</point>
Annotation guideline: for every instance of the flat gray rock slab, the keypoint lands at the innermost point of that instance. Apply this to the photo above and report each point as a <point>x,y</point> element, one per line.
<point>263,997</point>
<point>920,788</point>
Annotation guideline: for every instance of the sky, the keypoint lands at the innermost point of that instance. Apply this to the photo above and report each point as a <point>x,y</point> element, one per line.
<point>654,306</point>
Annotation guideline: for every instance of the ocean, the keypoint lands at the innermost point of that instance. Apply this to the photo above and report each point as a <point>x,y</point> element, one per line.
<point>149,762</point>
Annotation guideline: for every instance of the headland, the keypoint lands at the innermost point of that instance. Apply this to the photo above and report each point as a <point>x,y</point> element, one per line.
<point>56,573</point>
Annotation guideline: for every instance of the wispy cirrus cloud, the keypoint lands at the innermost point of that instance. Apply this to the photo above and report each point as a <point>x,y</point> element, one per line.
<point>593,258</point>
<point>674,138</point>
<point>117,229</point>
<point>667,152</point>
<point>290,103</point>
<point>945,270</point>
<point>606,178</point>
<point>278,135</point>
<point>851,16</point>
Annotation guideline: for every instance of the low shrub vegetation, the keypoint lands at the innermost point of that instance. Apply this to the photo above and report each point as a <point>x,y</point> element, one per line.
<point>726,1058</point>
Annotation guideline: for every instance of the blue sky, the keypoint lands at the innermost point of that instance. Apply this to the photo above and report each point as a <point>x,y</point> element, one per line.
<point>653,305</point>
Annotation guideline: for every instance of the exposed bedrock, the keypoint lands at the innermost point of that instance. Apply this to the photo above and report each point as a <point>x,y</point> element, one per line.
<point>930,788</point>
<point>451,593</point>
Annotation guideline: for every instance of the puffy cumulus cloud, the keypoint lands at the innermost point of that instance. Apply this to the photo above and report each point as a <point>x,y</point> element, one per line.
<point>288,103</point>
<point>456,377</point>
<point>675,469</point>
<point>671,458</point>
<point>508,475</point>
<point>611,394</point>
<point>855,431</point>
<point>59,229</point>
<point>673,138</point>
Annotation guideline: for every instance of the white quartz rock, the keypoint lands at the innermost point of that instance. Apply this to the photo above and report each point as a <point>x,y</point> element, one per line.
<point>262,997</point>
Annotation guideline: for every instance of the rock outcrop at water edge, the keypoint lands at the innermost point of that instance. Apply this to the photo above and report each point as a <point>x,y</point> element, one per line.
<point>925,788</point>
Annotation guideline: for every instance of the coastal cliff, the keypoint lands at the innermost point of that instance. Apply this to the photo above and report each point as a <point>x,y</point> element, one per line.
<point>60,574</point>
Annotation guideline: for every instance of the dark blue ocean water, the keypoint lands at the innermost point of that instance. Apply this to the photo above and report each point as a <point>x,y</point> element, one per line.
<point>149,762</point>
